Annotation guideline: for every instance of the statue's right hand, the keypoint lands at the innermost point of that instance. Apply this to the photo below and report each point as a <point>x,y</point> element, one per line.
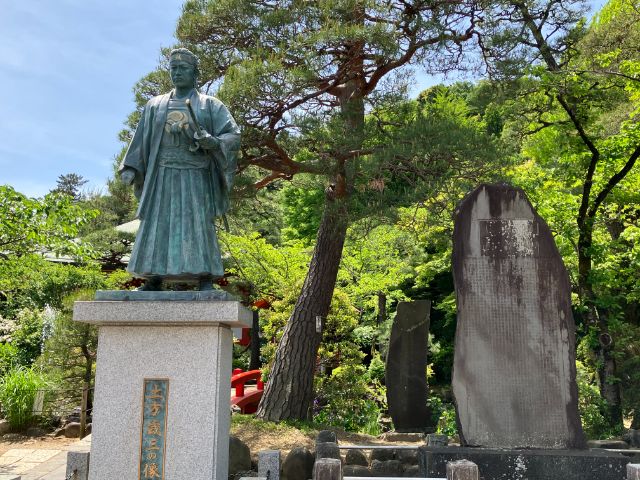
<point>127,176</point>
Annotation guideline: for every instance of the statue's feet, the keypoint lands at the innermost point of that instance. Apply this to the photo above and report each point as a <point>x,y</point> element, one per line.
<point>153,284</point>
<point>205,284</point>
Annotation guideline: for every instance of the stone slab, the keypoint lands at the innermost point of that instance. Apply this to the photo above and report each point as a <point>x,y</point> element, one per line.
<point>496,464</point>
<point>633,471</point>
<point>406,366</point>
<point>514,375</point>
<point>197,362</point>
<point>156,312</point>
<point>163,296</point>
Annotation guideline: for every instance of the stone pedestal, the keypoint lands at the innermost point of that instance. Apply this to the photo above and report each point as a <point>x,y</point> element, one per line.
<point>187,347</point>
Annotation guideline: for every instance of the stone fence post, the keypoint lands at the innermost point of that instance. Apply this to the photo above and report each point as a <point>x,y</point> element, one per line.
<point>327,469</point>
<point>462,470</point>
<point>269,464</point>
<point>78,464</point>
<point>633,471</point>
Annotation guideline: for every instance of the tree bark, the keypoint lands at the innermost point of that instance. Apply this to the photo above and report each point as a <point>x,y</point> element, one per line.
<point>289,391</point>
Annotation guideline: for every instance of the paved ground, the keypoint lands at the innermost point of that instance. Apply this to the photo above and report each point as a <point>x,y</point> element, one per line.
<point>34,464</point>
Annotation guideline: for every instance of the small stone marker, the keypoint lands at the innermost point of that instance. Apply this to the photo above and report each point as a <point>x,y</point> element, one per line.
<point>78,462</point>
<point>327,469</point>
<point>514,375</point>
<point>633,471</point>
<point>406,368</point>
<point>462,470</point>
<point>269,464</point>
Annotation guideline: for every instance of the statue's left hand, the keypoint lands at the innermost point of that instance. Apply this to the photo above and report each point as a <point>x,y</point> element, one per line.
<point>206,140</point>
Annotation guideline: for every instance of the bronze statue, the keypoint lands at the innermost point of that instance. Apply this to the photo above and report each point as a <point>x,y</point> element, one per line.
<point>181,162</point>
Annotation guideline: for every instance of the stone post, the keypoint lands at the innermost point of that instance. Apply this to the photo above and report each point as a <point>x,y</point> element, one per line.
<point>269,464</point>
<point>327,469</point>
<point>78,464</point>
<point>462,470</point>
<point>163,383</point>
<point>633,471</point>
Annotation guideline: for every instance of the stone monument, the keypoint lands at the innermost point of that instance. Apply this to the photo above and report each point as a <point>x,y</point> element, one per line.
<point>163,370</point>
<point>406,368</point>
<point>514,375</point>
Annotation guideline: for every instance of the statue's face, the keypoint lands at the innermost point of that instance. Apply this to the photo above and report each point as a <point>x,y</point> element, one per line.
<point>183,74</point>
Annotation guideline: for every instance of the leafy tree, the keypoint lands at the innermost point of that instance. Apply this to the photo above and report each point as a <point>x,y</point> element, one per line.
<point>299,77</point>
<point>29,225</point>
<point>579,101</point>
<point>31,282</point>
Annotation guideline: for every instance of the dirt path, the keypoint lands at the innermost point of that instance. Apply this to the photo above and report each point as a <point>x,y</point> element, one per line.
<point>46,442</point>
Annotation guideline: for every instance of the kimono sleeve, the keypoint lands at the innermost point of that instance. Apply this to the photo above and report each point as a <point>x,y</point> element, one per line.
<point>138,153</point>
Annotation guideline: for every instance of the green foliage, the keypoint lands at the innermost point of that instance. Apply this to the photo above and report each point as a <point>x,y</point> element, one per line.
<point>270,270</point>
<point>591,404</point>
<point>8,358</point>
<point>32,282</point>
<point>111,247</point>
<point>443,415</point>
<point>447,424</point>
<point>69,353</point>
<point>376,370</point>
<point>29,225</point>
<point>18,390</point>
<point>627,338</point>
<point>347,401</point>
<point>302,209</point>
<point>27,336</point>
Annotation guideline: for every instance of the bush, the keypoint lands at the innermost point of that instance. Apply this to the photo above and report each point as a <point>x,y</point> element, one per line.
<point>591,404</point>
<point>443,415</point>
<point>8,358</point>
<point>346,401</point>
<point>18,390</point>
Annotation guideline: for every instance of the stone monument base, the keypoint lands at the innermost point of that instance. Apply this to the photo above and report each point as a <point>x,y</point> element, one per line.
<point>494,464</point>
<point>162,391</point>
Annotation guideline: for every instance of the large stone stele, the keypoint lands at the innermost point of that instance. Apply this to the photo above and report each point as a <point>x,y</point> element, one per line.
<point>406,368</point>
<point>514,375</point>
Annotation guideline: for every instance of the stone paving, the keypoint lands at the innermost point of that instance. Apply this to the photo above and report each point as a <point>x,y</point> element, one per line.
<point>38,464</point>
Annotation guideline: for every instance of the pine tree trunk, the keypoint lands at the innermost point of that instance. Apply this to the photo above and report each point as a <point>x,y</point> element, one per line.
<point>289,390</point>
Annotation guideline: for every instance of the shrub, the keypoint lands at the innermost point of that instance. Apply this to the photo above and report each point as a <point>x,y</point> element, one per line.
<point>18,390</point>
<point>591,404</point>
<point>345,400</point>
<point>8,357</point>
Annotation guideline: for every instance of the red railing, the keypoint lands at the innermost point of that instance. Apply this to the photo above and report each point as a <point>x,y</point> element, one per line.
<point>246,401</point>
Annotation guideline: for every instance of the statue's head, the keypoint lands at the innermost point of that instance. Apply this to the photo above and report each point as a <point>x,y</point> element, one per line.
<point>183,67</point>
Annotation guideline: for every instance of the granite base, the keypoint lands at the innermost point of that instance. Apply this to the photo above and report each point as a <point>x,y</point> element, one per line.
<point>190,345</point>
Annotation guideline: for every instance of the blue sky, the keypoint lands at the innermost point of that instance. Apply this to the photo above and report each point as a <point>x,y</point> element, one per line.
<point>66,79</point>
<point>67,72</point>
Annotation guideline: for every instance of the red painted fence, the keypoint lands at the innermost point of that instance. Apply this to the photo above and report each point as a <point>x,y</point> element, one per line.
<point>246,399</point>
